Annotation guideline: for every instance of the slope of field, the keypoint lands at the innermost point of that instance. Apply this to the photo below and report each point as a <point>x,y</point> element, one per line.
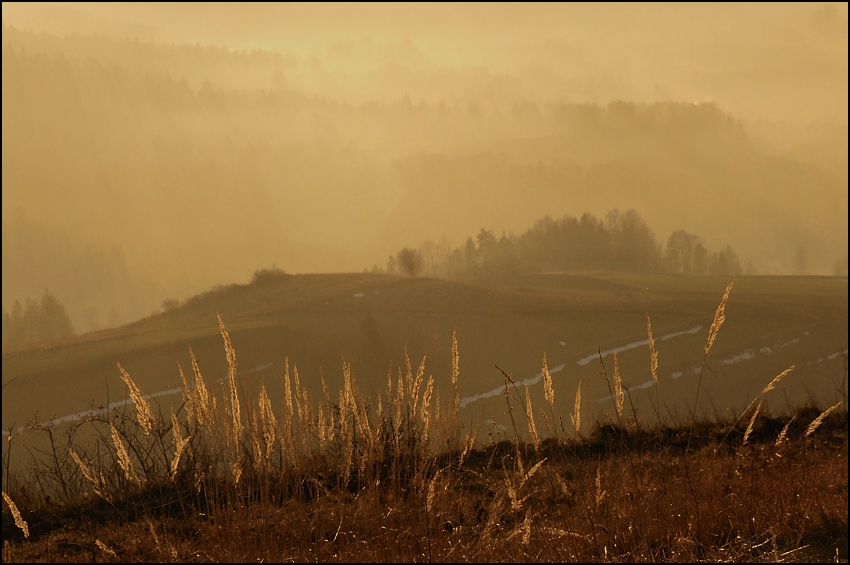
<point>317,321</point>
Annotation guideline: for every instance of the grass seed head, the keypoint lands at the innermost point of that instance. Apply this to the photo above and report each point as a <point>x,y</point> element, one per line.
<point>268,422</point>
<point>97,483</point>
<point>105,548</point>
<point>235,409</point>
<point>529,414</point>
<point>719,318</point>
<point>752,422</point>
<point>784,432</point>
<point>16,514</point>
<point>179,445</point>
<point>548,391</point>
<point>772,384</point>
<point>455,374</point>
<point>143,408</point>
<point>526,528</point>
<point>417,385</point>
<point>575,417</point>
<point>426,410</point>
<point>124,457</point>
<point>819,420</point>
<point>653,354</point>
<point>204,406</point>
<point>600,494</point>
<point>619,396</point>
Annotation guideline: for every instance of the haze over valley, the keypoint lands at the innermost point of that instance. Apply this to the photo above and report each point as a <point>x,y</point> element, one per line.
<point>424,282</point>
<point>151,152</point>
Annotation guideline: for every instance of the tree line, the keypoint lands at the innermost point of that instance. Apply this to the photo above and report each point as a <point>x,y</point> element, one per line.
<point>45,320</point>
<point>620,242</point>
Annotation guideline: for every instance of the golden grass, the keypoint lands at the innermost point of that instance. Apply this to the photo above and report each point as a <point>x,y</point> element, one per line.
<point>653,354</point>
<point>575,417</point>
<point>234,430</point>
<point>124,457</point>
<point>106,549</point>
<point>97,481</point>
<point>784,433</point>
<point>455,375</point>
<point>719,318</point>
<point>772,384</point>
<point>749,429</point>
<point>180,444</point>
<point>368,466</point>
<point>600,494</point>
<point>619,396</point>
<point>143,408</point>
<point>529,414</point>
<point>819,420</point>
<point>16,514</point>
<point>548,391</point>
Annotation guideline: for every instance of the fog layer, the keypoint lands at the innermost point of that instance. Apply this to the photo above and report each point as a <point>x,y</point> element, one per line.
<point>152,151</point>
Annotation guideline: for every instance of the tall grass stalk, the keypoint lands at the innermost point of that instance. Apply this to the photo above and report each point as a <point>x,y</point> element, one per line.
<point>653,367</point>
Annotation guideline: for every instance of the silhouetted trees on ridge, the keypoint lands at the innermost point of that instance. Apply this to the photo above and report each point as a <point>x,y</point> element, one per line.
<point>621,242</point>
<point>36,321</point>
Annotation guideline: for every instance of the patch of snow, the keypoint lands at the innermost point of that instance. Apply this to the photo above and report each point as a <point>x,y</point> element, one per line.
<point>496,391</point>
<point>745,356</point>
<point>647,384</point>
<point>358,295</point>
<point>466,400</point>
<point>117,404</point>
<point>585,360</point>
<point>260,368</point>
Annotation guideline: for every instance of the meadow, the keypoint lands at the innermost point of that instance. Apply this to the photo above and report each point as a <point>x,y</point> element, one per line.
<point>380,418</point>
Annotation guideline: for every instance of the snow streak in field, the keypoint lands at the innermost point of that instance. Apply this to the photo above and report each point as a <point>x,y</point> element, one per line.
<point>527,382</point>
<point>113,405</point>
<point>745,355</point>
<point>583,361</point>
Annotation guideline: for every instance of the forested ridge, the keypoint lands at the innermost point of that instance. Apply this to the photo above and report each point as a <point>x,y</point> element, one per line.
<point>621,242</point>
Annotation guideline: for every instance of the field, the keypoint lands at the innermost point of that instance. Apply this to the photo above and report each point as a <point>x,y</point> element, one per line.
<point>316,321</point>
<point>648,477</point>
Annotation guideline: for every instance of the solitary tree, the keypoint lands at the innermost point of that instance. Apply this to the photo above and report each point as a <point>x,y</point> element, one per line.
<point>410,261</point>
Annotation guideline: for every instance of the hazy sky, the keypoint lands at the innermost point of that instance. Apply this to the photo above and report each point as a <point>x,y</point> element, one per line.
<point>161,149</point>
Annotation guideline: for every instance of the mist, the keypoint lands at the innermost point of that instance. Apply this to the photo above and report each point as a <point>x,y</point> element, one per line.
<point>154,151</point>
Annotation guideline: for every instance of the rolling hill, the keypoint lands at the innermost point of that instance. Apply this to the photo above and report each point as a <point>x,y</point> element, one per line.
<point>314,322</point>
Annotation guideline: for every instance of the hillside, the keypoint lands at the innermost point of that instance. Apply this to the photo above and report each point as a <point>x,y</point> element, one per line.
<point>436,471</point>
<point>316,321</point>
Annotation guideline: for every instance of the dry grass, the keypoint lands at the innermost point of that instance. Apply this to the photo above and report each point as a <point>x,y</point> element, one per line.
<point>16,514</point>
<point>389,477</point>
